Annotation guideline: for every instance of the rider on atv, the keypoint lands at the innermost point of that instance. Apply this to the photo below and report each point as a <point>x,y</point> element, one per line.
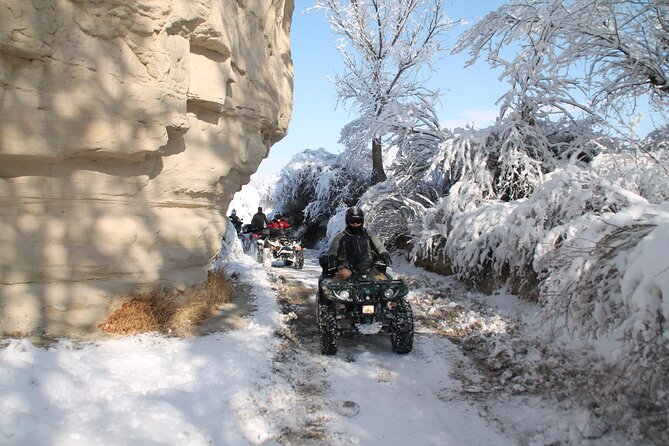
<point>355,249</point>
<point>278,222</point>
<point>259,221</point>
<point>356,295</point>
<point>236,221</point>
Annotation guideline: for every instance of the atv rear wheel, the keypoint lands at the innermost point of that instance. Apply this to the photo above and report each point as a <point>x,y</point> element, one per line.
<point>327,328</point>
<point>402,334</point>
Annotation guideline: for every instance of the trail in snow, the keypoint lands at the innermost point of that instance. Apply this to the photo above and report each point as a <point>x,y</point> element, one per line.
<point>370,395</point>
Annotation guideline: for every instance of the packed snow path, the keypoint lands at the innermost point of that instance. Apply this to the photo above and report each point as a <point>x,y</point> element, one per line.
<point>367,394</point>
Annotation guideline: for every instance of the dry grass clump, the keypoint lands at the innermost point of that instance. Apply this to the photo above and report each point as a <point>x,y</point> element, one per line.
<point>176,315</point>
<point>138,314</point>
<point>200,304</point>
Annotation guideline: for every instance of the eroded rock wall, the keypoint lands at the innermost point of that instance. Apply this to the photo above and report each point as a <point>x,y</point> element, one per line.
<point>127,126</point>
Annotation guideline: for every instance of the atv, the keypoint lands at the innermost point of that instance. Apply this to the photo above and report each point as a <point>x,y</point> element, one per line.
<point>285,248</point>
<point>253,241</point>
<point>362,305</point>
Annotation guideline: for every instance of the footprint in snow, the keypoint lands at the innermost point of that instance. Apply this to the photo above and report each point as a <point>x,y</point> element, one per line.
<point>349,409</point>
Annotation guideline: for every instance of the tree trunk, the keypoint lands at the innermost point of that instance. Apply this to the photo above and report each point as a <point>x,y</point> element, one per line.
<point>378,174</point>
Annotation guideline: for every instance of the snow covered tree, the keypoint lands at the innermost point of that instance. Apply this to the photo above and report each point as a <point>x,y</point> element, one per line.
<point>393,206</point>
<point>386,47</point>
<point>598,57</point>
<point>658,139</point>
<point>297,185</point>
<point>589,62</point>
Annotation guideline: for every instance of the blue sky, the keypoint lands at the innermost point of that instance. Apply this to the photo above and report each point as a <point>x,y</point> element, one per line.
<point>468,94</point>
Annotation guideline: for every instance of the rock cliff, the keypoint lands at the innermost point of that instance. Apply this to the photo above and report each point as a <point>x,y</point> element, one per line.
<point>127,126</point>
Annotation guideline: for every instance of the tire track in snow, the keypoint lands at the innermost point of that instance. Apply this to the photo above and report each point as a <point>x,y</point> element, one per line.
<point>367,394</point>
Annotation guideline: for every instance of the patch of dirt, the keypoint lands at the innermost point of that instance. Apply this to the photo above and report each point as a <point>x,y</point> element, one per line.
<point>308,377</point>
<point>231,315</point>
<point>297,302</point>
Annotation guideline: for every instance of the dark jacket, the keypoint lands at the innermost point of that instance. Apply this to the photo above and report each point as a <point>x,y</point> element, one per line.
<point>236,222</point>
<point>259,221</point>
<point>356,251</point>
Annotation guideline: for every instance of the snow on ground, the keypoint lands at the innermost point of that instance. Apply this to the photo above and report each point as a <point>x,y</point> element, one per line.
<point>400,400</point>
<point>243,387</point>
<point>147,389</point>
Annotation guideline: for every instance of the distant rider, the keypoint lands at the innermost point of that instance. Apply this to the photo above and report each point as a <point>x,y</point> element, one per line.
<point>278,222</point>
<point>236,221</point>
<point>259,221</point>
<point>356,249</point>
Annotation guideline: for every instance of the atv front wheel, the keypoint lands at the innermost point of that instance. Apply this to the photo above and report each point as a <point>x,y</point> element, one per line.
<point>402,335</point>
<point>267,258</point>
<point>327,328</point>
<point>299,260</point>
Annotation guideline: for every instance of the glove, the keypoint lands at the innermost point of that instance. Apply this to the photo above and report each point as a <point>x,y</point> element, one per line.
<point>332,263</point>
<point>386,258</point>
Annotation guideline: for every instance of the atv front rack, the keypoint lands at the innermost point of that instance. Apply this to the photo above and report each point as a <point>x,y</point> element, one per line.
<point>363,291</point>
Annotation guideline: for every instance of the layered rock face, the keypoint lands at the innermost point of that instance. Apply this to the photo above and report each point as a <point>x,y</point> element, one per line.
<point>127,126</point>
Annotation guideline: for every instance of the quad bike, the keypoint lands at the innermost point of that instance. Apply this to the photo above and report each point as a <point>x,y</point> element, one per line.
<point>282,247</point>
<point>362,305</point>
<point>253,241</point>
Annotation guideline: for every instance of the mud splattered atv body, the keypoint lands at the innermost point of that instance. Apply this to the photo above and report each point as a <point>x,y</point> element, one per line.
<point>362,305</point>
<point>252,239</point>
<point>283,247</point>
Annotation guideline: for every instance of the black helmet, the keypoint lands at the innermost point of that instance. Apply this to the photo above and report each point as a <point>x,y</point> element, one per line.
<point>278,216</point>
<point>354,215</point>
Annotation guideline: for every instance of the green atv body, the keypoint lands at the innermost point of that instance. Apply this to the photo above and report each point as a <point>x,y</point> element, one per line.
<point>363,305</point>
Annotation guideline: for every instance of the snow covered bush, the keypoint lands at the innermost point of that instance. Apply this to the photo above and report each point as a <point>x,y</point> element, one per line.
<point>483,169</point>
<point>296,187</point>
<point>607,276</point>
<point>314,185</point>
<point>507,236</point>
<point>389,213</point>
<point>522,155</point>
<point>335,188</point>
<point>645,173</point>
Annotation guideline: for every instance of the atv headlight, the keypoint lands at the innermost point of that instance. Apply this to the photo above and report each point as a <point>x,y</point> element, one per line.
<point>343,295</point>
<point>389,292</point>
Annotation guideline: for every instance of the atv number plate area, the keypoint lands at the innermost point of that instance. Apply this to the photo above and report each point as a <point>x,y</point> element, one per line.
<point>368,309</point>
